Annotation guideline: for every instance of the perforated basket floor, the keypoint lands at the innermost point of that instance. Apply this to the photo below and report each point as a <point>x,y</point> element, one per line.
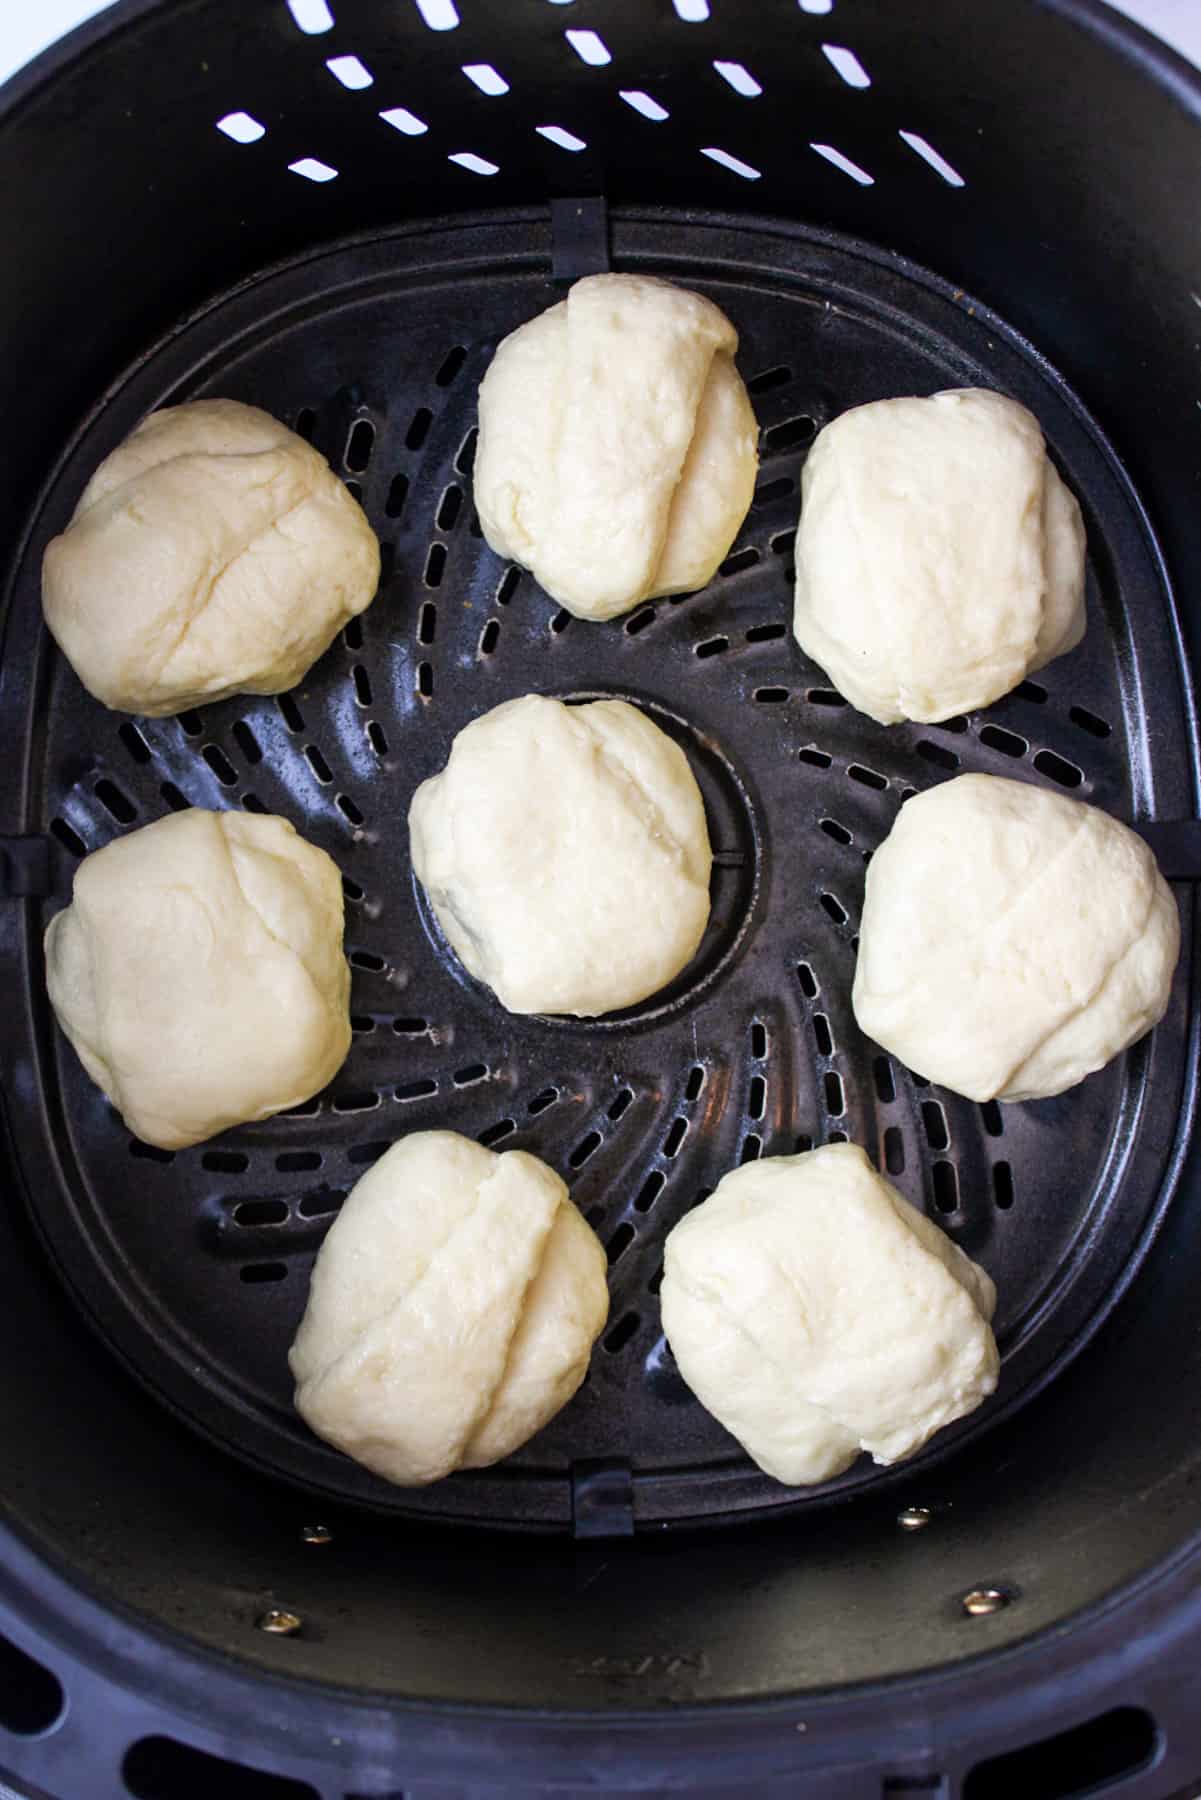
<point>194,1266</point>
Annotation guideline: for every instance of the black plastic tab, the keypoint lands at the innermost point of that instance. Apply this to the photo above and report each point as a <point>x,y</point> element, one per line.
<point>26,870</point>
<point>1177,846</point>
<point>602,1500</point>
<point>579,232</point>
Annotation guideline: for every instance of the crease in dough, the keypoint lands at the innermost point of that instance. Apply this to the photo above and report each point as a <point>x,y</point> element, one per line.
<point>617,452</point>
<point>427,1347</point>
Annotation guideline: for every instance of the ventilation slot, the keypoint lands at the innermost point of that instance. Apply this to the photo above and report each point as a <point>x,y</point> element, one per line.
<point>886,1091</point>
<point>621,1240</point>
<point>832,1088</point>
<point>994,1124</point>
<point>157,1768</point>
<point>220,764</point>
<point>366,1100</point>
<point>791,434</point>
<point>69,839</point>
<point>894,1150</point>
<point>290,712</point>
<point>318,764</point>
<point>925,149</point>
<point>359,445</point>
<point>756,1102</point>
<point>712,646</point>
<point>644,104</point>
<point>1083,1760</point>
<point>560,622</point>
<point>847,66</point>
<point>419,427</point>
<point>329,1200</point>
<point>823,1034</point>
<point>622,1332</point>
<point>935,1122</point>
<point>296,1162</point>
<point>736,166</point>
<point>639,621</point>
<point>427,623</point>
<point>175,800</point>
<point>1065,773</point>
<point>808,981</point>
<point>246,741</point>
<point>584,1149</point>
<point>488,80</point>
<point>114,802</point>
<point>765,634</point>
<point>621,1102</point>
<point>465,460</point>
<point>824,697</point>
<point>425,680</point>
<point>590,47</point>
<point>946,1187</point>
<point>311,15</point>
<point>134,742</point>
<point>397,494</point>
<point>495,1133</point>
<point>150,1152</point>
<point>225,1162</point>
<point>541,1101</point>
<point>740,79</point>
<point>867,777</point>
<point>817,759</point>
<point>650,1190</point>
<point>675,1137</point>
<point>417,1090</point>
<point>448,509</point>
<point>834,830</point>
<point>1089,722</point>
<point>938,754</point>
<point>259,1274</point>
<point>31,1698</point>
<point>833,908</point>
<point>408,1027</point>
<point>1002,1185</point>
<point>253,1213</point>
<point>1007,742</point>
<point>844,163</point>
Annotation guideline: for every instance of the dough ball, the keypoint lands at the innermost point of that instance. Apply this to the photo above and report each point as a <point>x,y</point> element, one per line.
<point>816,1313</point>
<point>565,852</point>
<point>940,559</point>
<point>453,1310</point>
<point>213,553</point>
<point>198,971</point>
<point>1012,940</point>
<point>618,449</point>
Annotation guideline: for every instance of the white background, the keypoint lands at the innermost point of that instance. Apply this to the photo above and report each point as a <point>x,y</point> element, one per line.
<point>27,26</point>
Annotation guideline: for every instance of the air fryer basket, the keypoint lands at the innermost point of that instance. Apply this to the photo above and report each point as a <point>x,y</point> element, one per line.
<point>999,195</point>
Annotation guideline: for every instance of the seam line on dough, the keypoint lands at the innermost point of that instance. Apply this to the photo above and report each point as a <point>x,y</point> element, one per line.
<point>251,907</point>
<point>396,1305</point>
<point>198,610</point>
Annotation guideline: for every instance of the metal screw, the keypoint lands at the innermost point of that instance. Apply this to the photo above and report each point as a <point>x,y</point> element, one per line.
<point>279,1623</point>
<point>316,1534</point>
<point>978,1603</point>
<point>914,1518</point>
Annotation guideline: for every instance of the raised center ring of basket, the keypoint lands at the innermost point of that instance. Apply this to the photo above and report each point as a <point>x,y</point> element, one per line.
<point>195,1266</point>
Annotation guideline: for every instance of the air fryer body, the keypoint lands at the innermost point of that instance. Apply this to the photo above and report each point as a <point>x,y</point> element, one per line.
<point>629,1606</point>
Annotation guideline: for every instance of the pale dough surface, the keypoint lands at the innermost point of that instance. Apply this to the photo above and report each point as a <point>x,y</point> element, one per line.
<point>816,1313</point>
<point>213,553</point>
<point>199,972</point>
<point>1012,940</point>
<point>565,852</point>
<point>453,1309</point>
<point>618,448</point>
<point>940,558</point>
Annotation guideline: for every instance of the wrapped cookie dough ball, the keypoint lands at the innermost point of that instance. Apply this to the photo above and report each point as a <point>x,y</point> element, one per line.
<point>565,852</point>
<point>939,559</point>
<point>1012,940</point>
<point>618,449</point>
<point>213,553</point>
<point>816,1313</point>
<point>199,973</point>
<point>453,1310</point>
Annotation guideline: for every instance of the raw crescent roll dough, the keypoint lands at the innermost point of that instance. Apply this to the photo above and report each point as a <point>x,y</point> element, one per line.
<point>199,972</point>
<point>1012,940</point>
<point>213,553</point>
<point>565,852</point>
<point>617,449</point>
<point>453,1310</point>
<point>940,558</point>
<point>816,1313</point>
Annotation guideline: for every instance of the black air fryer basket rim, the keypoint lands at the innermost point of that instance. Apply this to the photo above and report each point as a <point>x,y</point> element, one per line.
<point>1053,1671</point>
